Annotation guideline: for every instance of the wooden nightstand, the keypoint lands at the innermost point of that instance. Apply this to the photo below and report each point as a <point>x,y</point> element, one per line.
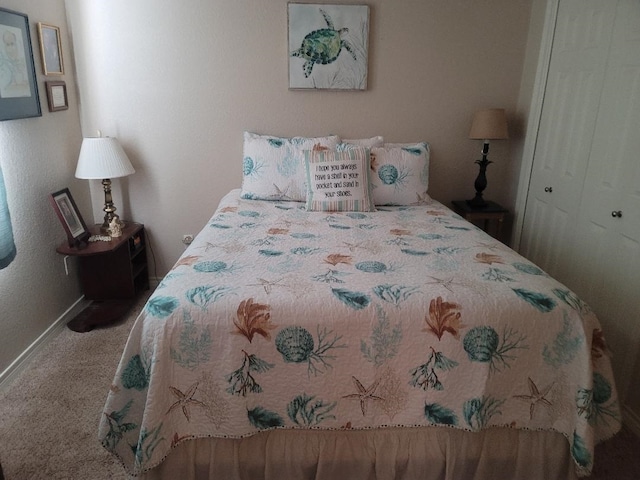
<point>492,211</point>
<point>112,274</point>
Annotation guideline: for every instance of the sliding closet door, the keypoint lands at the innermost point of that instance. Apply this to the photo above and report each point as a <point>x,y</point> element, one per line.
<point>606,253</point>
<point>572,96</point>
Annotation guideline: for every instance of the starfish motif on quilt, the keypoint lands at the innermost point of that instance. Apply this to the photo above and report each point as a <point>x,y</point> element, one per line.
<point>365,395</point>
<point>489,246</point>
<point>535,397</point>
<point>445,282</point>
<point>267,284</point>
<point>354,246</point>
<point>284,221</point>
<point>185,400</point>
<point>229,247</point>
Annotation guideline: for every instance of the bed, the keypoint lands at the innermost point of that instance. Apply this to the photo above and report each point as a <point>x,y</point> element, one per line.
<point>388,341</point>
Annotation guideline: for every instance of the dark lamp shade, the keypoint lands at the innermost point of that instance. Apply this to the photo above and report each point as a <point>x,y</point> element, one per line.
<point>490,124</point>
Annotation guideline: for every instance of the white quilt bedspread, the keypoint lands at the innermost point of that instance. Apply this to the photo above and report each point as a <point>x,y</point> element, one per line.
<point>276,317</point>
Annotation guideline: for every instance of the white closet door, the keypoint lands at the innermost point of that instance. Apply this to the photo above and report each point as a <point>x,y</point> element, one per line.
<point>606,256</point>
<point>570,108</point>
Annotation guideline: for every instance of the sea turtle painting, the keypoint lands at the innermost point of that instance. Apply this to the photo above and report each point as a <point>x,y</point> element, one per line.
<point>323,46</point>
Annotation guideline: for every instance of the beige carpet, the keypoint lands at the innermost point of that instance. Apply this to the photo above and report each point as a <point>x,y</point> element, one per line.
<point>49,414</point>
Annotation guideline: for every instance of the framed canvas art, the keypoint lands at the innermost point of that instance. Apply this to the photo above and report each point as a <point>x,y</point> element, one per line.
<point>328,46</point>
<point>18,88</point>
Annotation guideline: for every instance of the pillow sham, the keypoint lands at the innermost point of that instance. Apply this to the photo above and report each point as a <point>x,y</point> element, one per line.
<point>273,168</point>
<point>338,180</point>
<point>400,174</point>
<point>377,141</point>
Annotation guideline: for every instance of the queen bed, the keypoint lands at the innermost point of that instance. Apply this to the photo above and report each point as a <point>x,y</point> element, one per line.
<point>303,335</point>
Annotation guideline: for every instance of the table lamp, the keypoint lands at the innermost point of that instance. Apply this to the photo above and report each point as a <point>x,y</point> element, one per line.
<point>489,124</point>
<point>102,158</point>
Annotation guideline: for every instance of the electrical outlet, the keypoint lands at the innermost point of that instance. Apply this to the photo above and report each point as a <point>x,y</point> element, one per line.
<point>187,239</point>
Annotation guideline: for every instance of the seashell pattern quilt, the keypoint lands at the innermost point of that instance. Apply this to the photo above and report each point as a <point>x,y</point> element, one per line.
<point>277,317</point>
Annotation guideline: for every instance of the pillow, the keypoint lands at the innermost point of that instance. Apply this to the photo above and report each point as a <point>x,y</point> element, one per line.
<point>338,181</point>
<point>400,173</point>
<point>273,167</point>
<point>366,142</point>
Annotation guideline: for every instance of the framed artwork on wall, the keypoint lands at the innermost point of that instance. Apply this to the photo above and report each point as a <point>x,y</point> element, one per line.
<point>57,96</point>
<point>18,88</point>
<point>328,46</point>
<point>50,49</point>
<point>70,218</point>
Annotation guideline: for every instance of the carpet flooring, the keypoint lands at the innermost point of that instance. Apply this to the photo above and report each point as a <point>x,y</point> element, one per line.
<point>49,413</point>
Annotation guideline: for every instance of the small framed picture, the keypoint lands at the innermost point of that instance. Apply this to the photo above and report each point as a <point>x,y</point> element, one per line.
<point>67,211</point>
<point>18,88</point>
<point>50,49</point>
<point>57,96</point>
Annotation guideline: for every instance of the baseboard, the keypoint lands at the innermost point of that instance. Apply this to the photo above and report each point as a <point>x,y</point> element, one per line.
<point>631,420</point>
<point>20,363</point>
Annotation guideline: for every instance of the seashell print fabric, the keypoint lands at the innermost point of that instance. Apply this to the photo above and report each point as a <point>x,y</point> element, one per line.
<point>277,317</point>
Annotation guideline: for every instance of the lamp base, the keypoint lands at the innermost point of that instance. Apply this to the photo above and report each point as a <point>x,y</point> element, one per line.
<point>477,201</point>
<point>110,212</point>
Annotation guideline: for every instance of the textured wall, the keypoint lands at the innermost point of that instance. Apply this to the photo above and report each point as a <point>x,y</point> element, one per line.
<point>178,83</point>
<point>38,157</point>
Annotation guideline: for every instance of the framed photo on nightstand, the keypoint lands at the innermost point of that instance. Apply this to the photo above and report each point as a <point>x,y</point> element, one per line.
<point>69,215</point>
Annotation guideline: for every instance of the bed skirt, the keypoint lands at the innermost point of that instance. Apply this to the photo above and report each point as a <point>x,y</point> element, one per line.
<point>384,454</point>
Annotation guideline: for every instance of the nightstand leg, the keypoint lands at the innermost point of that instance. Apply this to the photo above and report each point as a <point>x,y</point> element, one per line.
<point>499,229</point>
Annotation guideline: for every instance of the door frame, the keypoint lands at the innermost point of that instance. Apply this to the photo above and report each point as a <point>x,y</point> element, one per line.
<point>533,120</point>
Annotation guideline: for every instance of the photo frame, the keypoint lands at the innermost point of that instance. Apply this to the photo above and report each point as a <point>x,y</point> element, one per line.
<point>77,232</point>
<point>50,49</point>
<point>18,87</point>
<point>328,46</point>
<point>57,96</point>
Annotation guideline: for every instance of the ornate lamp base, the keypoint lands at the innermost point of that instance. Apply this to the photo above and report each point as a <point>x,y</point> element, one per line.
<point>481,180</point>
<point>109,209</point>
<point>477,201</point>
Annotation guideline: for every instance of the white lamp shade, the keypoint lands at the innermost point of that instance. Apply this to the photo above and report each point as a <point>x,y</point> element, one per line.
<point>490,124</point>
<point>102,157</point>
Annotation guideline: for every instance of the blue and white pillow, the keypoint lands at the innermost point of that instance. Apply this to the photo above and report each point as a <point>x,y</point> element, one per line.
<point>400,173</point>
<point>273,168</point>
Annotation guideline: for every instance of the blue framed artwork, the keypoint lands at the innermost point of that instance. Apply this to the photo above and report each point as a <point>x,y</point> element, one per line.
<point>18,88</point>
<point>328,46</point>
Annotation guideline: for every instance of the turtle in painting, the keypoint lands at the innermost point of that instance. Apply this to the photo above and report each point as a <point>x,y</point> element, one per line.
<point>323,45</point>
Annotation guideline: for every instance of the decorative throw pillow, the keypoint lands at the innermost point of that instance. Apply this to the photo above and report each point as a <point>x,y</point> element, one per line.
<point>339,181</point>
<point>273,167</point>
<point>400,174</point>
